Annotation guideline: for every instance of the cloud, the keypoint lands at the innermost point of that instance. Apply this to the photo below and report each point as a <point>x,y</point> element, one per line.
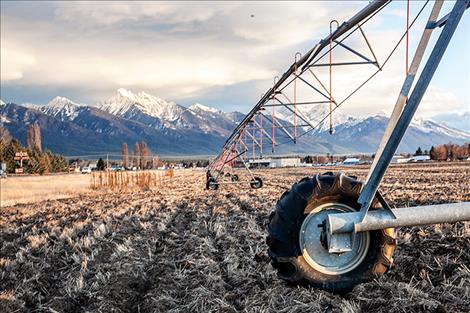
<point>92,13</point>
<point>438,100</point>
<point>14,62</point>
<point>183,46</point>
<point>222,52</point>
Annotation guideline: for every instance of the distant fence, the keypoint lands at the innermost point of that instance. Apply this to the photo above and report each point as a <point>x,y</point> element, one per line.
<point>125,180</point>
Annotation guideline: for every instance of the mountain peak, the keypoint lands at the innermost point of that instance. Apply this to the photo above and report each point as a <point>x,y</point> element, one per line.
<point>61,102</point>
<point>30,105</point>
<point>201,107</point>
<point>126,93</point>
<point>126,103</point>
<point>62,107</point>
<point>384,113</point>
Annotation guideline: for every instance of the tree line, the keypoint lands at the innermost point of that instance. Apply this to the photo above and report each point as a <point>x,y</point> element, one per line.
<point>139,157</point>
<point>38,161</point>
<point>449,152</point>
<point>444,152</point>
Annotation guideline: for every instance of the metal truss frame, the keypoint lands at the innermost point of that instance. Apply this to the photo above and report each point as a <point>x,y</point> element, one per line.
<point>263,121</point>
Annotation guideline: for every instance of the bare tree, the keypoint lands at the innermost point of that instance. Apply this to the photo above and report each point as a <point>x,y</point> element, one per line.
<point>37,136</point>
<point>131,159</point>
<point>155,162</point>
<point>30,137</point>
<point>144,153</point>
<point>33,137</point>
<point>5,138</point>
<point>137,154</point>
<point>125,155</point>
<point>441,152</point>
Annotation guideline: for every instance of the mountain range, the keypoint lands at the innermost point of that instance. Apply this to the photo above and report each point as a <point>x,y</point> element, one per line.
<point>79,129</point>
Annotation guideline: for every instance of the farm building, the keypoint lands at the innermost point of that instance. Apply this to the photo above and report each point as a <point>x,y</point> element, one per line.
<point>400,159</point>
<point>421,158</point>
<point>351,161</point>
<point>275,162</point>
<point>404,160</point>
<point>285,162</point>
<point>259,163</point>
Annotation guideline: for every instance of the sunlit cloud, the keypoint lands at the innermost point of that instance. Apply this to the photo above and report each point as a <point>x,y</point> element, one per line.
<point>14,62</point>
<point>225,53</point>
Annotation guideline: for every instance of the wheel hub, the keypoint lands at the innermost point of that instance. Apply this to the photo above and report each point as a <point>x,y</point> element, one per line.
<point>311,239</point>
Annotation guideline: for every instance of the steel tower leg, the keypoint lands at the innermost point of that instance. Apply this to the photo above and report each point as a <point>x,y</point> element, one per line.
<point>377,172</point>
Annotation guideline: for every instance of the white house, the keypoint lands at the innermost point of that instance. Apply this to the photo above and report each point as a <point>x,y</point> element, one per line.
<point>405,160</point>
<point>421,158</point>
<point>351,161</point>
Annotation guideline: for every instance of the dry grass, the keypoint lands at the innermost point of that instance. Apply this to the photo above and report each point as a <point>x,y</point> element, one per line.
<point>29,189</point>
<point>180,248</point>
<point>127,180</point>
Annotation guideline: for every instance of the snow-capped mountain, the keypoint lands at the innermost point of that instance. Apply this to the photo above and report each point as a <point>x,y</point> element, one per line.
<point>160,114</point>
<point>125,103</point>
<point>61,107</point>
<point>365,134</point>
<point>315,114</point>
<point>198,107</point>
<point>459,120</point>
<point>432,127</point>
<point>170,128</point>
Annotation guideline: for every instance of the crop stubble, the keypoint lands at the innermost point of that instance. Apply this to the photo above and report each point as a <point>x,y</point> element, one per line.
<point>184,249</point>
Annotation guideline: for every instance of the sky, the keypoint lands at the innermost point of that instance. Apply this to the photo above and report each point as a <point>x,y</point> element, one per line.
<point>222,54</point>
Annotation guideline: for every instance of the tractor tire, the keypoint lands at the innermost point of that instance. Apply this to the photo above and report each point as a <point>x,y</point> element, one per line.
<point>227,174</point>
<point>212,184</point>
<point>311,264</point>
<point>234,177</point>
<point>256,183</point>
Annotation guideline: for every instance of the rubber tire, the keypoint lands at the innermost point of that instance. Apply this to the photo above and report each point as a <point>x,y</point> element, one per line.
<point>227,174</point>
<point>256,183</point>
<point>234,177</point>
<point>212,186</point>
<point>284,228</point>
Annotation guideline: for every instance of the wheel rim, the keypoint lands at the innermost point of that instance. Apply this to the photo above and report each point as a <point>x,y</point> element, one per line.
<point>317,256</point>
<point>213,185</point>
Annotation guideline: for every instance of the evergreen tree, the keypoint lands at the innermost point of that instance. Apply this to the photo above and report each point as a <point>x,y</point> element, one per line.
<point>5,139</point>
<point>58,163</point>
<point>419,151</point>
<point>432,153</point>
<point>9,155</point>
<point>100,165</point>
<point>44,164</point>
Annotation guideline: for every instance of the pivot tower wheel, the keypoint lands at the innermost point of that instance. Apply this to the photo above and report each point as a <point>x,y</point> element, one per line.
<point>256,183</point>
<point>212,184</point>
<point>297,240</point>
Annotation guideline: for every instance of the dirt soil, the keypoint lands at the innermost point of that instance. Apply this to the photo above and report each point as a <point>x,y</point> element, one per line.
<point>185,249</point>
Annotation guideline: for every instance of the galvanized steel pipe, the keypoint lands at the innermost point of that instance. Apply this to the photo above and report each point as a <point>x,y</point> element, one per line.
<point>411,216</point>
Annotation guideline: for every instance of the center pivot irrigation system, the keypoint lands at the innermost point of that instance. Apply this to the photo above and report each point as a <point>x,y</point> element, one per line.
<point>332,231</point>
